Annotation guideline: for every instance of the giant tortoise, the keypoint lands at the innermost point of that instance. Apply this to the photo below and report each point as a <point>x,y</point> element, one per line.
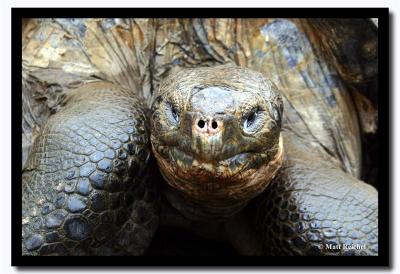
<point>247,131</point>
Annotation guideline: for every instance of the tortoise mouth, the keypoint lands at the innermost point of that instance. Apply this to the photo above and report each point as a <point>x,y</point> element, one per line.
<point>233,160</point>
<point>237,177</point>
<point>212,167</point>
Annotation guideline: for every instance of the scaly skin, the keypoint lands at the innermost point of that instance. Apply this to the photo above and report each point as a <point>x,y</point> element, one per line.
<point>314,208</point>
<point>85,189</point>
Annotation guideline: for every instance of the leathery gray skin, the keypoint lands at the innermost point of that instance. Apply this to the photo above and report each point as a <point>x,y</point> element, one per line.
<point>85,189</point>
<point>217,136</point>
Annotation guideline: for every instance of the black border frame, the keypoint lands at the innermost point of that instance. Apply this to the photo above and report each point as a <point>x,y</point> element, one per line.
<point>383,132</point>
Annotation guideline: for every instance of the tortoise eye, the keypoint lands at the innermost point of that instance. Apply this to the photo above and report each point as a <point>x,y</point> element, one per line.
<point>172,113</point>
<point>175,114</point>
<point>251,119</point>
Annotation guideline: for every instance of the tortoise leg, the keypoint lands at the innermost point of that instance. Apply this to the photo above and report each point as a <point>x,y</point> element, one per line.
<point>314,208</point>
<point>85,188</point>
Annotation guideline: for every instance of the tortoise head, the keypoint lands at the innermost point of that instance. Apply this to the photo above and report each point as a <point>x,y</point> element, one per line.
<point>215,133</point>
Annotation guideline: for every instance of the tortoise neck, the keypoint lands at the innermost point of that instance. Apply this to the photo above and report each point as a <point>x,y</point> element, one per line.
<point>197,211</point>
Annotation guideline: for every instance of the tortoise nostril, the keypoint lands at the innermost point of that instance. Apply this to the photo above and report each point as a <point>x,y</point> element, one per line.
<point>201,124</point>
<point>214,125</point>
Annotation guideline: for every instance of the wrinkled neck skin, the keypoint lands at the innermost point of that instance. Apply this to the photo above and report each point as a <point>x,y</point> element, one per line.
<point>218,201</point>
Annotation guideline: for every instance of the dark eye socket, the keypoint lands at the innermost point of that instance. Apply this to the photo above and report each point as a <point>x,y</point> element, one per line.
<point>251,118</point>
<point>173,112</point>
